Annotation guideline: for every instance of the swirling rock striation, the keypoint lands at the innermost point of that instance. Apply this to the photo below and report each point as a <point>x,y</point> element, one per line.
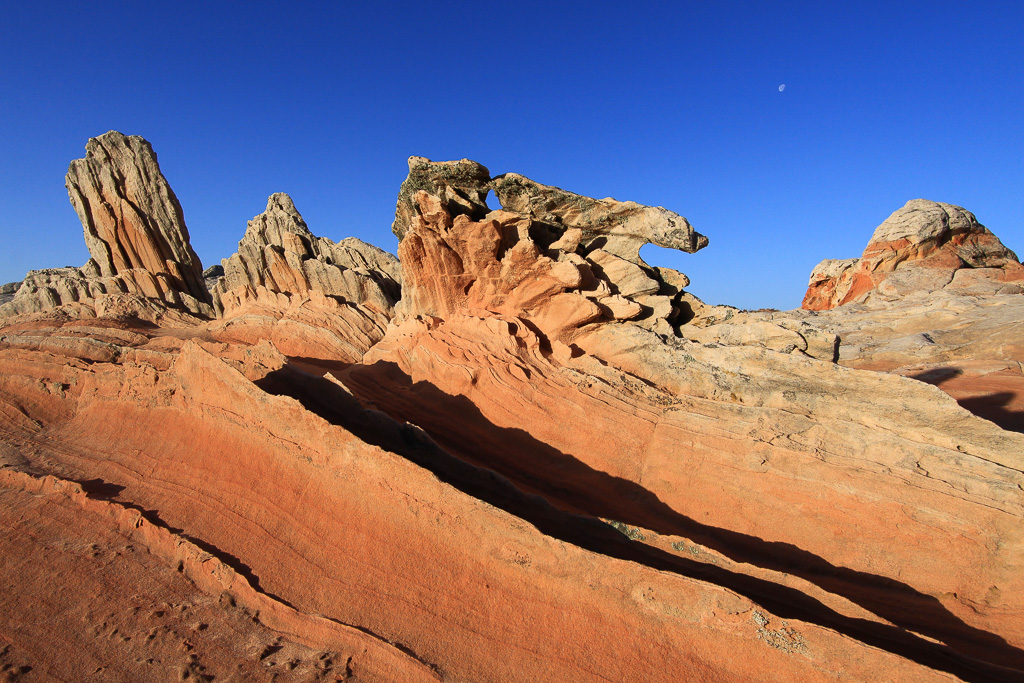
<point>557,259</point>
<point>547,461</point>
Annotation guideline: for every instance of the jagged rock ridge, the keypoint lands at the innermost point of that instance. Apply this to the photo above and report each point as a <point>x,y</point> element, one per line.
<point>308,295</point>
<point>558,259</point>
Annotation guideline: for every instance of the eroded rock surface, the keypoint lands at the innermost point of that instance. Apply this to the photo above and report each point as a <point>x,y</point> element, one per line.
<point>308,295</point>
<point>7,292</point>
<point>462,185</point>
<point>558,259</point>
<point>136,235</point>
<point>925,246</point>
<point>350,531</point>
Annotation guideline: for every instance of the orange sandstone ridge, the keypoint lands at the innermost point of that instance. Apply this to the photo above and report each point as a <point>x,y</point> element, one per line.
<point>516,453</point>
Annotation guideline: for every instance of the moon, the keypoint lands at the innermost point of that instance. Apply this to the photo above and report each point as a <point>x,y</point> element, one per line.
<point>782,87</point>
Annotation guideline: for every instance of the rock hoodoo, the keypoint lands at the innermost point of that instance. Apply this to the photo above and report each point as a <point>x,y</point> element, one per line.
<point>131,217</point>
<point>136,235</point>
<point>555,258</point>
<point>923,247</point>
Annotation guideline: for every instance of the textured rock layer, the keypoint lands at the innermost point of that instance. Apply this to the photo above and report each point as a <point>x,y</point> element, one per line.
<point>334,510</point>
<point>136,236</point>
<point>559,259</point>
<point>308,295</point>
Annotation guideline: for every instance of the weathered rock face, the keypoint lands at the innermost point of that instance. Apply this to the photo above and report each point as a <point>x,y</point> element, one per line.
<point>970,346</point>
<point>936,297</point>
<point>557,259</point>
<point>308,295</point>
<point>751,394</point>
<point>665,423</point>
<point>620,228</point>
<point>130,214</point>
<point>461,185</point>
<point>136,236</point>
<point>923,247</point>
<point>369,550</point>
<point>7,291</point>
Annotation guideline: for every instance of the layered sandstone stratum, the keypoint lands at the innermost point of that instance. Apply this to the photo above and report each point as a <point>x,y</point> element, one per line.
<point>515,453</point>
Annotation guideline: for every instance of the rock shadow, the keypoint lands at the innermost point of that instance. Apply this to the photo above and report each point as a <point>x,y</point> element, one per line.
<point>994,407</point>
<point>937,376</point>
<point>456,432</point>
<point>98,488</point>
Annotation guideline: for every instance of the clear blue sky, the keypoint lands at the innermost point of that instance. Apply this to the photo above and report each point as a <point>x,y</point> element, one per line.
<point>673,104</point>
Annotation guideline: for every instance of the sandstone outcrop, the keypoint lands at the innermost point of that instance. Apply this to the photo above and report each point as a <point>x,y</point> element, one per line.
<point>970,346</point>
<point>938,300</point>
<point>462,185</point>
<point>620,228</point>
<point>7,292</point>
<point>557,259</point>
<point>547,462</point>
<point>924,247</point>
<point>308,295</point>
<point>326,516</point>
<point>752,394</point>
<point>136,235</point>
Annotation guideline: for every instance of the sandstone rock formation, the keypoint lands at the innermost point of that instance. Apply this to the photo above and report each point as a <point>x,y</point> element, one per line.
<point>136,236</point>
<point>665,420</point>
<point>923,247</point>
<point>308,295</point>
<point>529,471</point>
<point>7,291</point>
<point>935,297</point>
<point>462,184</point>
<point>557,259</point>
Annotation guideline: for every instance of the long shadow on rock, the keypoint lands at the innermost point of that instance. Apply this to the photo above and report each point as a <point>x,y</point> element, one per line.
<point>98,488</point>
<point>488,484</point>
<point>456,424</point>
<point>993,408</point>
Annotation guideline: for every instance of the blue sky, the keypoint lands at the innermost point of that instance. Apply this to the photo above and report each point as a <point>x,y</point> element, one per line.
<point>671,104</point>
